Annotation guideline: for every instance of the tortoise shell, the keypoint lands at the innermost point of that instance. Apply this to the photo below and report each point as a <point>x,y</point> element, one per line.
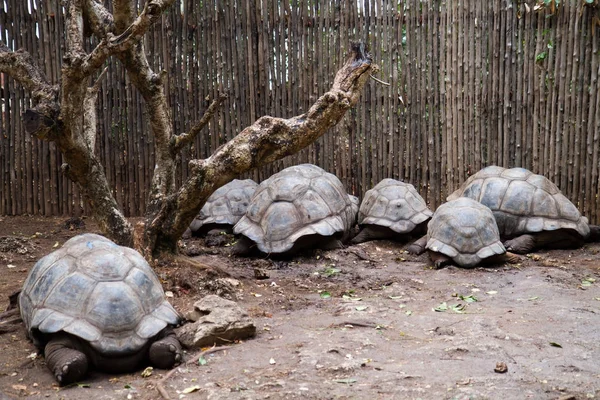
<point>393,204</point>
<point>96,290</point>
<point>226,205</point>
<point>465,231</point>
<point>522,202</point>
<point>295,202</point>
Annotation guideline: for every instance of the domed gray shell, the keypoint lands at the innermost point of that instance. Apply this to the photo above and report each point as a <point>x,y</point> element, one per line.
<point>393,204</point>
<point>103,293</point>
<point>465,231</point>
<point>522,202</point>
<point>226,205</point>
<point>297,201</point>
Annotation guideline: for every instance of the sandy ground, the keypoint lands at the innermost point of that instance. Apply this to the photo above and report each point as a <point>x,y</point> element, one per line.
<point>365,322</point>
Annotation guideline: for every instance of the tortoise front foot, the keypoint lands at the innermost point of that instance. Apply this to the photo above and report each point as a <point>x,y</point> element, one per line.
<point>511,258</point>
<point>66,363</point>
<point>439,260</point>
<point>418,247</point>
<point>165,353</point>
<point>243,247</point>
<point>521,244</point>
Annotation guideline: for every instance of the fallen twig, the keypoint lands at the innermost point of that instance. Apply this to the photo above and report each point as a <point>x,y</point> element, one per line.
<point>160,383</point>
<point>359,324</point>
<point>360,254</point>
<point>10,313</point>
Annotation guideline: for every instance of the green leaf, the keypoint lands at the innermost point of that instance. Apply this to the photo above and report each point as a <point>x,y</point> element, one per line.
<point>331,271</point>
<point>468,299</point>
<point>87,385</point>
<point>202,361</point>
<point>554,344</point>
<point>128,386</point>
<point>442,307</point>
<point>588,281</point>
<point>540,57</point>
<point>347,380</point>
<point>361,308</point>
<point>325,295</point>
<point>459,308</point>
<point>534,298</point>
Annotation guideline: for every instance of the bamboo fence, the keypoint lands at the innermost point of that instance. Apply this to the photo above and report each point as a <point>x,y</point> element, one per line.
<point>471,84</point>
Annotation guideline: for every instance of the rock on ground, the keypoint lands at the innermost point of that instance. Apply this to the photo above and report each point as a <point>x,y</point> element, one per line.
<point>216,321</point>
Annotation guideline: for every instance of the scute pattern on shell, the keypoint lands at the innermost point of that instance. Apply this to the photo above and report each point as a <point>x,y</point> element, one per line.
<point>465,231</point>
<point>522,202</point>
<point>227,204</point>
<point>297,201</point>
<point>393,204</point>
<point>103,293</point>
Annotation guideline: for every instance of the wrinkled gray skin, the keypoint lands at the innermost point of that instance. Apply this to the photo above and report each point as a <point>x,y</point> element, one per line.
<point>392,210</point>
<point>95,304</point>
<point>300,207</point>
<point>224,207</point>
<point>464,232</point>
<point>529,209</point>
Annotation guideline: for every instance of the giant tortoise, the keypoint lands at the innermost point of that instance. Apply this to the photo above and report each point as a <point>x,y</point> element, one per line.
<point>531,212</point>
<point>392,210</point>
<point>464,231</point>
<point>224,207</point>
<point>93,303</point>
<point>300,207</point>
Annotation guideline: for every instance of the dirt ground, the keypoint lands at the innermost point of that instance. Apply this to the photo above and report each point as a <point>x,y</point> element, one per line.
<point>365,322</point>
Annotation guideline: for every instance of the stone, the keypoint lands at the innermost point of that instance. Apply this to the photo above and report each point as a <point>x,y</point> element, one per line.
<point>215,321</point>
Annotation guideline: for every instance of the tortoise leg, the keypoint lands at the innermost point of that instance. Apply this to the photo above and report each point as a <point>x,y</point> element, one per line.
<point>65,359</point>
<point>418,247</point>
<point>439,260</point>
<point>244,247</point>
<point>594,234</point>
<point>507,257</point>
<point>371,232</point>
<point>511,258</point>
<point>561,239</point>
<point>521,244</point>
<point>165,352</point>
<point>332,244</point>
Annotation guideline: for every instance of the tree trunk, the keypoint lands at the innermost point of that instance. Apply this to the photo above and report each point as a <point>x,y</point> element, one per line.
<point>67,117</point>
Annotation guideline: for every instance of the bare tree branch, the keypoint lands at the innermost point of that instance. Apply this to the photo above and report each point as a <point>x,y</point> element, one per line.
<point>178,141</point>
<point>22,68</point>
<point>111,44</point>
<point>100,20</point>
<point>267,140</point>
<point>42,120</point>
<point>151,12</point>
<point>74,33</point>
<point>90,113</point>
